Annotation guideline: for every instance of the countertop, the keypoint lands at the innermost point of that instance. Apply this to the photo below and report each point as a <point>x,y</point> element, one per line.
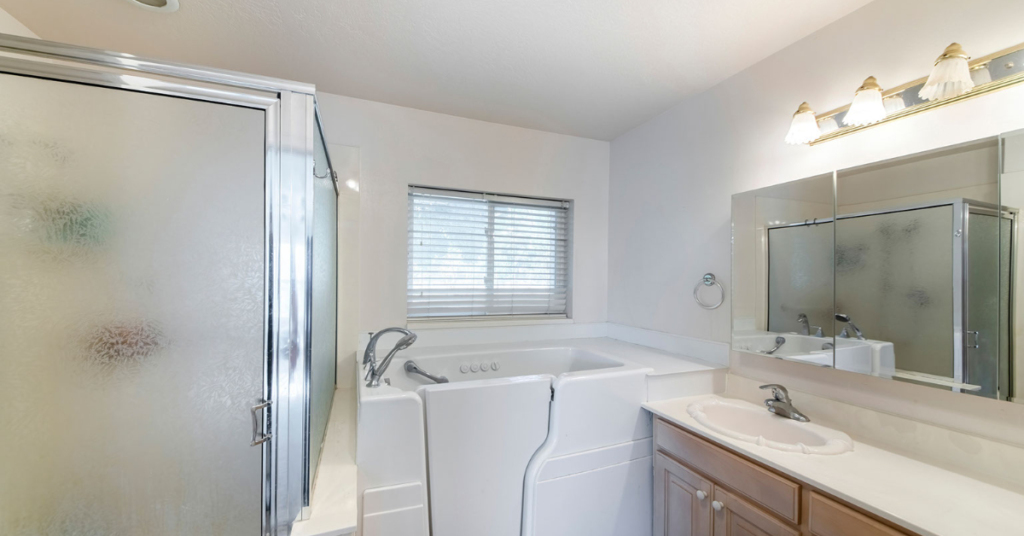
<point>922,498</point>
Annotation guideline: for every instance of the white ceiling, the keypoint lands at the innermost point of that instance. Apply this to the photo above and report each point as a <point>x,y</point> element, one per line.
<point>592,68</point>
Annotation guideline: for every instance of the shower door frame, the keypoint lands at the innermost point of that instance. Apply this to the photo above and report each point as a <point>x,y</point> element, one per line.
<point>289,109</point>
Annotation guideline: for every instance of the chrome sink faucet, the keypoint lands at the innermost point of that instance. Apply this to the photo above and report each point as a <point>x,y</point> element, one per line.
<point>376,370</point>
<point>845,334</point>
<point>781,405</point>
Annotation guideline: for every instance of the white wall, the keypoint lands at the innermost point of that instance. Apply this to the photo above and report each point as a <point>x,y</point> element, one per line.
<point>672,177</point>
<point>401,146</point>
<point>11,25</point>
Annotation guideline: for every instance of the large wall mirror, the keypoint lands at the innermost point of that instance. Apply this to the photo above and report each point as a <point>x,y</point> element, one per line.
<point>904,269</point>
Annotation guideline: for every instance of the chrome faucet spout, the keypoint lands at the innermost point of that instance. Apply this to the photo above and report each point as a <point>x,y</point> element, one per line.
<point>805,324</point>
<point>376,370</point>
<point>781,405</point>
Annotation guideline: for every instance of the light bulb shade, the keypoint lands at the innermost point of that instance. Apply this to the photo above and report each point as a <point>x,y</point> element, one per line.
<point>951,77</point>
<point>980,75</point>
<point>893,103</point>
<point>804,128</point>
<point>867,106</point>
<point>828,124</point>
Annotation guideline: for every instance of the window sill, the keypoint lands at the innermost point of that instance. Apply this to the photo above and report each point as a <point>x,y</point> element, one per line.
<point>484,322</point>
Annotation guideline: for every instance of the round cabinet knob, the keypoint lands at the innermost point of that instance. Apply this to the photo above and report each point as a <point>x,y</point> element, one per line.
<point>701,495</point>
<point>717,505</point>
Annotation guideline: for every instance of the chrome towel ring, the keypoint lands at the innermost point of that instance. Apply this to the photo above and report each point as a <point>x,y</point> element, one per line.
<point>709,280</point>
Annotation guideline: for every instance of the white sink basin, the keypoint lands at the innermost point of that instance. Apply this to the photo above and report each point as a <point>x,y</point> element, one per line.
<point>754,424</point>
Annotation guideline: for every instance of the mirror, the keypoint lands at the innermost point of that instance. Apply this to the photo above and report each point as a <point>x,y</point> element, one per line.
<point>782,271</point>
<point>907,266</point>
<point>1011,190</point>
<point>916,272</point>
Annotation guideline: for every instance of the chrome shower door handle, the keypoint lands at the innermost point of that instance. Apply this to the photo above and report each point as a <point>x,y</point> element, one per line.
<point>977,340</point>
<point>259,438</point>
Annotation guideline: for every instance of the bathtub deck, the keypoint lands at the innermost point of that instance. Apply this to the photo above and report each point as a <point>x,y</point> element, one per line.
<point>333,506</point>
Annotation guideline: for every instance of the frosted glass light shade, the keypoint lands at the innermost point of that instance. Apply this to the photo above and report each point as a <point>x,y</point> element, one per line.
<point>804,128</point>
<point>828,124</point>
<point>867,105</point>
<point>980,75</point>
<point>893,103</point>
<point>951,77</point>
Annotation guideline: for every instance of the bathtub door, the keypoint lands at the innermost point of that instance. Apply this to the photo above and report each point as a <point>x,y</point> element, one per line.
<point>480,438</point>
<point>131,312</point>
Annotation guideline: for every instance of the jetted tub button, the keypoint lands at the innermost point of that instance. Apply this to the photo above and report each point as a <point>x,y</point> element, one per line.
<point>463,368</point>
<point>495,366</point>
<point>474,367</point>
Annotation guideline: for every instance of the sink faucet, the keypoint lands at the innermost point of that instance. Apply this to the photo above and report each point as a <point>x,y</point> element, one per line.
<point>376,371</point>
<point>781,405</point>
<point>850,325</point>
<point>806,327</point>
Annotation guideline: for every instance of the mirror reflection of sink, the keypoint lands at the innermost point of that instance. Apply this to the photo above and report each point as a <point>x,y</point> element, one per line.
<point>747,422</point>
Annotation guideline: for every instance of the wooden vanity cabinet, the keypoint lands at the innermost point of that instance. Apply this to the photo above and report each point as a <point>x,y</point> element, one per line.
<point>701,489</point>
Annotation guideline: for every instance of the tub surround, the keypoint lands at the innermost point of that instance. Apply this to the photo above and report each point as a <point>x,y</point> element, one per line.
<point>333,505</point>
<point>909,493</point>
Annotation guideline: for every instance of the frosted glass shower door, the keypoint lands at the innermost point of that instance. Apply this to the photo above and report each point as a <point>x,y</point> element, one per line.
<point>132,283</point>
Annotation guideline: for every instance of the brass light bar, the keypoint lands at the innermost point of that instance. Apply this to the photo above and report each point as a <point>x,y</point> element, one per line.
<point>1010,60</point>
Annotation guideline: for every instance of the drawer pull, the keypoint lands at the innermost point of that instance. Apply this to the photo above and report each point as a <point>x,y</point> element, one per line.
<point>701,495</point>
<point>717,505</point>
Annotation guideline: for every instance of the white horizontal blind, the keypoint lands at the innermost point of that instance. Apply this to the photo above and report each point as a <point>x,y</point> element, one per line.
<point>485,255</point>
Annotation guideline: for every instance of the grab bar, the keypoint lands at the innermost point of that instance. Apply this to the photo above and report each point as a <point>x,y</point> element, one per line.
<point>413,368</point>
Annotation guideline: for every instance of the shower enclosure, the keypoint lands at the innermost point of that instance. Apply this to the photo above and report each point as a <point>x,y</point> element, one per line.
<point>168,288</point>
<point>925,278</point>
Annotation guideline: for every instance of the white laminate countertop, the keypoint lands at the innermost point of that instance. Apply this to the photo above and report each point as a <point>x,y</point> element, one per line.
<point>920,497</point>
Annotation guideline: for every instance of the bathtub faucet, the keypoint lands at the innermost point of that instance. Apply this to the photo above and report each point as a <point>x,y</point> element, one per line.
<point>376,370</point>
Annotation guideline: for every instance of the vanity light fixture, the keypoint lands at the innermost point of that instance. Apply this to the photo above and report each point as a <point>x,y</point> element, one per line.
<point>804,128</point>
<point>954,78</point>
<point>893,103</point>
<point>951,77</point>
<point>867,104</point>
<point>980,74</point>
<point>828,124</point>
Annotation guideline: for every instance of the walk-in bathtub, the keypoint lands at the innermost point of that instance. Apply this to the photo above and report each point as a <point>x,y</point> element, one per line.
<point>532,439</point>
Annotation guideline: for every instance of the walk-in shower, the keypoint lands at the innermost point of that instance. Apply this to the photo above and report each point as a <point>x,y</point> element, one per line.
<point>168,287</point>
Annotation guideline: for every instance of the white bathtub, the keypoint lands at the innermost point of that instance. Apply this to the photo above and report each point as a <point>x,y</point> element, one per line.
<point>550,434</point>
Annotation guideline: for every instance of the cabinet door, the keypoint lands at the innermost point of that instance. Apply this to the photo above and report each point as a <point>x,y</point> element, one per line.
<point>682,500</point>
<point>735,517</point>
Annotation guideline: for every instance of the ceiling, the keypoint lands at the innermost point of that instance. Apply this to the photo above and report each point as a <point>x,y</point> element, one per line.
<point>592,68</point>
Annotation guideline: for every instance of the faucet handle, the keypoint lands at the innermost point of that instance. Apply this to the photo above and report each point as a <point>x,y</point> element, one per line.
<point>778,392</point>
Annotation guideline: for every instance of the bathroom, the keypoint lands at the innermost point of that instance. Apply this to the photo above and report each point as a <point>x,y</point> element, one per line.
<point>555,268</point>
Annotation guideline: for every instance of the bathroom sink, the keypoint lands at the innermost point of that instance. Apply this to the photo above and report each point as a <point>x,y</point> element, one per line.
<point>754,424</point>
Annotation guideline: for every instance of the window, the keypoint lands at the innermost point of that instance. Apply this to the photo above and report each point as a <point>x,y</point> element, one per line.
<point>476,255</point>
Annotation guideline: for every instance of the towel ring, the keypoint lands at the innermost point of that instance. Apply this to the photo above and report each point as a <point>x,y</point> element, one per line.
<point>708,280</point>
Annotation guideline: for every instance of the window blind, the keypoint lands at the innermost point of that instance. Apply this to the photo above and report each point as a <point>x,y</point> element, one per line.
<point>474,255</point>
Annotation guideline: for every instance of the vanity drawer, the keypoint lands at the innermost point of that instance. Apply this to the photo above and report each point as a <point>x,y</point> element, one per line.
<point>771,491</point>
<point>829,518</point>
<point>734,516</point>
